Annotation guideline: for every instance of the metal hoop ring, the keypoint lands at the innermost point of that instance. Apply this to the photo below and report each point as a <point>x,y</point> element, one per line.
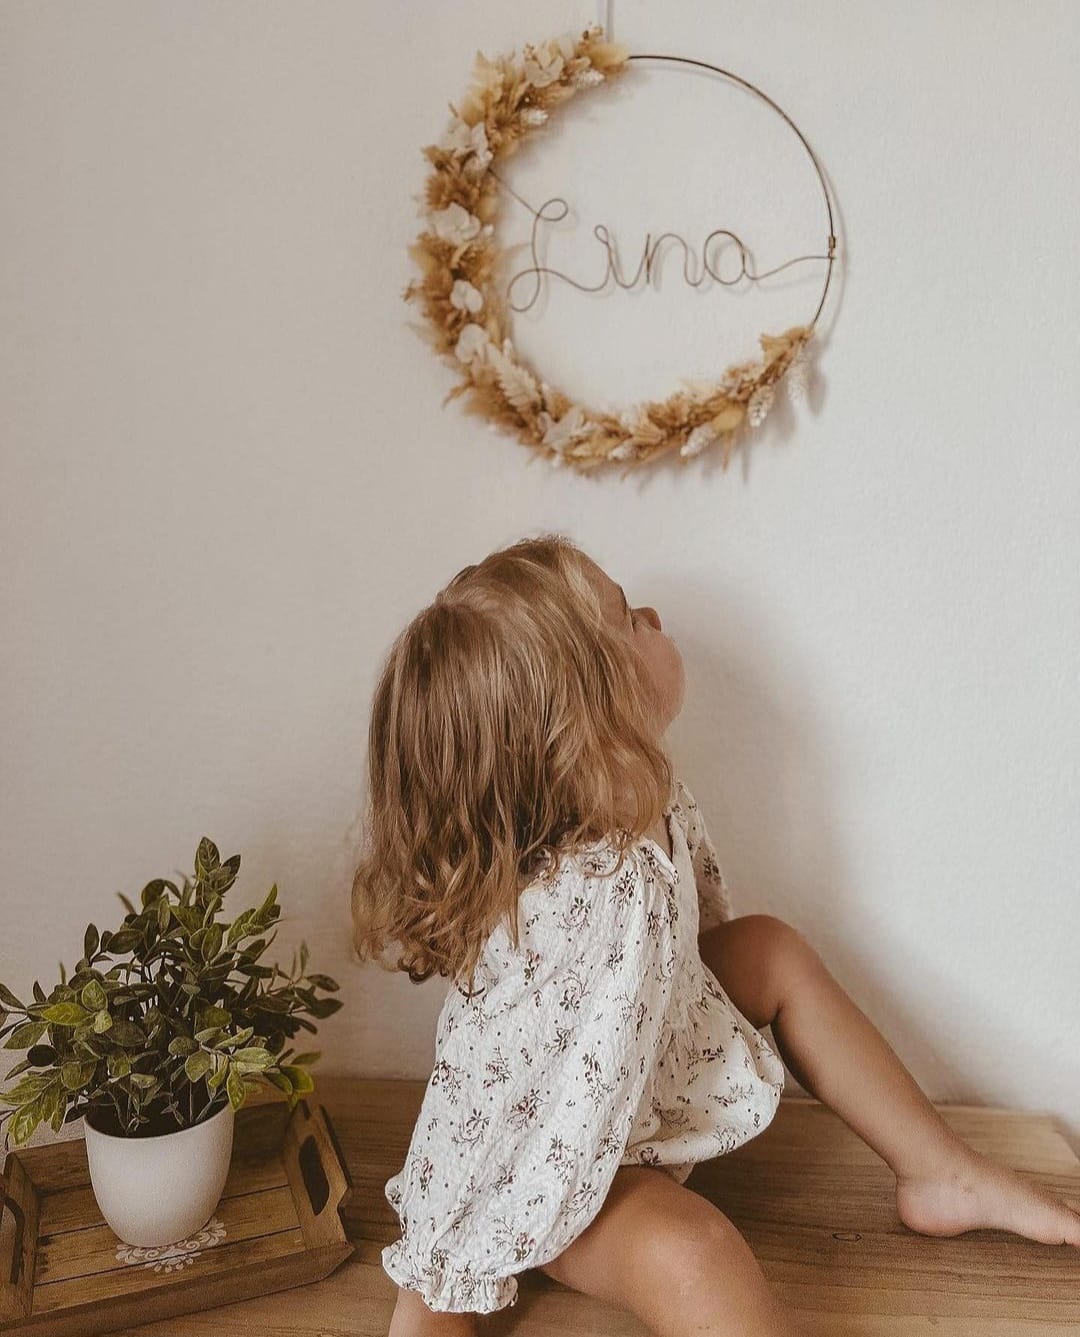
<point>704,65</point>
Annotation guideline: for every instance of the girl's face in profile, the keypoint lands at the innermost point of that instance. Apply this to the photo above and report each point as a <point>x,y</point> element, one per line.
<point>641,627</point>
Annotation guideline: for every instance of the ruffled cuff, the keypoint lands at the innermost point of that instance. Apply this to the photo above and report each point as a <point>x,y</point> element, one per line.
<point>447,1287</point>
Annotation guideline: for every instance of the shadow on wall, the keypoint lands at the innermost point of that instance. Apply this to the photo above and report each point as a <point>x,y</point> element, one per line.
<point>749,743</point>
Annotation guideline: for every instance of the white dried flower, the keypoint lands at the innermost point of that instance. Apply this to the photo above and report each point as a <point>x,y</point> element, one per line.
<point>625,450</point>
<point>736,377</point>
<point>542,65</point>
<point>468,141</point>
<point>455,224</point>
<point>481,156</point>
<point>534,116</point>
<point>588,78</point>
<point>698,439</point>
<point>797,376</point>
<point>759,405</point>
<point>466,297</point>
<point>560,433</point>
<point>566,43</point>
<point>472,342</point>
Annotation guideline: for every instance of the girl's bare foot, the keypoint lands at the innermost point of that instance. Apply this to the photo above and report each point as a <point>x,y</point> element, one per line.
<point>975,1193</point>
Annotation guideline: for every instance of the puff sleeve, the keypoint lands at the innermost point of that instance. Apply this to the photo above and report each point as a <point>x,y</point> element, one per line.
<point>714,898</point>
<point>536,1085</point>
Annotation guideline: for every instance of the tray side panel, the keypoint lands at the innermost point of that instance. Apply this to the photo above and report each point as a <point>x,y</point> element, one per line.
<point>19,1199</point>
<point>240,1282</point>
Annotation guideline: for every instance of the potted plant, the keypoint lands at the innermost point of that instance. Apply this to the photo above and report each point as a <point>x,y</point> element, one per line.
<point>155,1040</point>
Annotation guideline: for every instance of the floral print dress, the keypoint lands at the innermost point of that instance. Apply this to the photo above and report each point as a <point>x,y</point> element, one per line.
<point>602,1040</point>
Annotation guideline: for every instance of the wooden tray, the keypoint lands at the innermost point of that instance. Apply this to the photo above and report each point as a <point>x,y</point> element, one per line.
<point>63,1273</point>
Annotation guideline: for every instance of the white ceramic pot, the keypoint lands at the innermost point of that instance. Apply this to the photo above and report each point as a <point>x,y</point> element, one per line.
<point>157,1190</point>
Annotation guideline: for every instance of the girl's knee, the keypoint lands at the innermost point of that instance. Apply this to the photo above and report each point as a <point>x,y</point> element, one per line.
<point>704,1279</point>
<point>782,948</point>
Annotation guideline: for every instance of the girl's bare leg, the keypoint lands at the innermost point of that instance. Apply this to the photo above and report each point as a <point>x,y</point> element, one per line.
<point>943,1186</point>
<point>674,1260</point>
<point>657,1249</point>
<point>412,1318</point>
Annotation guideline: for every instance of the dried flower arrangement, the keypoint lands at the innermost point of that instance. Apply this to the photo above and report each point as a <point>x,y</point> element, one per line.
<point>466,316</point>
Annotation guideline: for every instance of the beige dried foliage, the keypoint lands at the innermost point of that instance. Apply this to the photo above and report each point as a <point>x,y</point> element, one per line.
<point>495,383</point>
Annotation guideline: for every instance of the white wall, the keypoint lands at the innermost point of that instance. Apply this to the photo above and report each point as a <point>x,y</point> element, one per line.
<point>228,481</point>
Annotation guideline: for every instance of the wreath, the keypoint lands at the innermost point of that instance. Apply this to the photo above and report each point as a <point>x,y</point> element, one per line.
<point>466,317</point>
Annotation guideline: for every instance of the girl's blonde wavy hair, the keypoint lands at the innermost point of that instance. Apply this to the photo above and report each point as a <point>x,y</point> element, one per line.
<point>510,721</point>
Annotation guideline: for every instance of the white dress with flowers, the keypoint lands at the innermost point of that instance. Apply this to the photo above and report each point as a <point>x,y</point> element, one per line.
<point>601,1040</point>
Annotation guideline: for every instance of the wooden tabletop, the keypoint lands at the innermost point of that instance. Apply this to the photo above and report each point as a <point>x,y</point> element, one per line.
<point>814,1202</point>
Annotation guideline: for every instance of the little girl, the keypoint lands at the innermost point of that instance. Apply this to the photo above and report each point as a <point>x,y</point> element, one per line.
<point>528,840</point>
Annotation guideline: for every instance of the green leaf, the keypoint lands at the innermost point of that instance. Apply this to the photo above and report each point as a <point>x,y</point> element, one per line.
<point>145,1081</point>
<point>66,1014</point>
<point>26,1034</point>
<point>213,905</point>
<point>102,1022</point>
<point>74,1074</point>
<point>253,1058</point>
<point>302,1080</point>
<point>324,982</point>
<point>182,1046</point>
<point>24,1121</point>
<point>307,1060</point>
<point>214,1016</point>
<point>90,942</point>
<point>236,1089</point>
<point>303,957</point>
<point>211,944</point>
<point>94,996</point>
<point>197,1066</point>
<point>239,927</point>
<point>9,999</point>
<point>324,1007</point>
<point>188,916</point>
<point>152,892</point>
<point>126,1033</point>
<point>220,1073</point>
<point>226,874</point>
<point>37,1056</point>
<point>268,904</point>
<point>32,1085</point>
<point>207,859</point>
<point>164,914</point>
<point>127,904</point>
